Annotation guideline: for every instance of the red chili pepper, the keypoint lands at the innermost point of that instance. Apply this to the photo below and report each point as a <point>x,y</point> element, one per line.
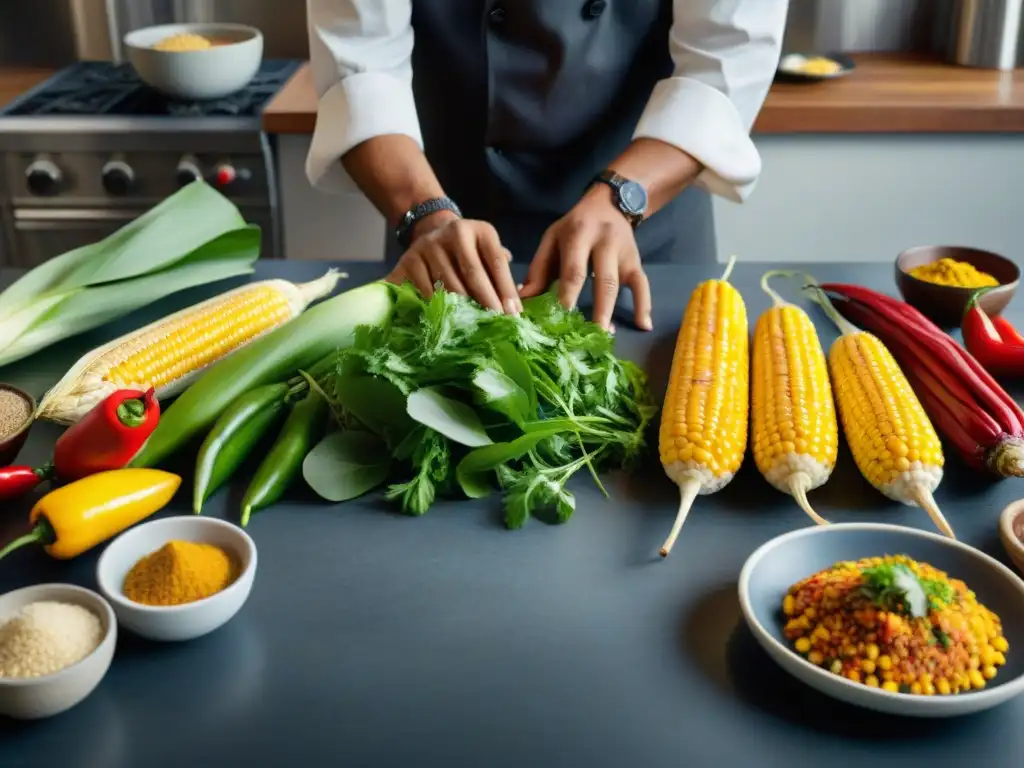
<point>1006,331</point>
<point>14,481</point>
<point>109,436</point>
<point>998,354</point>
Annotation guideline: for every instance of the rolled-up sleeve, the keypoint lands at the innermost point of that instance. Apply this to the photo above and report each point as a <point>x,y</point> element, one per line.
<point>361,58</point>
<point>725,54</point>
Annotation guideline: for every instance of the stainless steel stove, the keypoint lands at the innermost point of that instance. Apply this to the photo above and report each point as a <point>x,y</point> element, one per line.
<point>93,147</point>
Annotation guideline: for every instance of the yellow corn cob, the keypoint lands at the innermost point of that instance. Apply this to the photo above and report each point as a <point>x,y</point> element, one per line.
<point>794,435</point>
<point>704,419</point>
<point>892,441</point>
<point>168,354</point>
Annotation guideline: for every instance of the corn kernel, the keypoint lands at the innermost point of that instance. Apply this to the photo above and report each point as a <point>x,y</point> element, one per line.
<point>803,645</point>
<point>1001,645</point>
<point>853,675</point>
<point>872,651</point>
<point>871,681</point>
<point>884,662</point>
<point>815,657</point>
<point>890,686</point>
<point>976,680</point>
<point>868,666</point>
<point>942,686</point>
<point>988,672</point>
<point>916,689</point>
<point>789,605</point>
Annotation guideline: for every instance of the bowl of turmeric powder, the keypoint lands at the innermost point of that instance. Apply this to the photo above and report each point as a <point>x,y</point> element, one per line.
<point>939,280</point>
<point>178,578</point>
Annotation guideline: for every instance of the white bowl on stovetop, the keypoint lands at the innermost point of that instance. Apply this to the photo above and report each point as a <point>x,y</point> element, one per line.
<point>211,73</point>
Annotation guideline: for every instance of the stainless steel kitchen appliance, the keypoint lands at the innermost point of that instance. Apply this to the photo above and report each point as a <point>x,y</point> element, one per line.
<point>987,33</point>
<point>93,147</point>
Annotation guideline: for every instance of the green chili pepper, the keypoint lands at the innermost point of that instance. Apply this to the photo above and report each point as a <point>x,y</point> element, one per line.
<point>233,436</point>
<point>282,465</point>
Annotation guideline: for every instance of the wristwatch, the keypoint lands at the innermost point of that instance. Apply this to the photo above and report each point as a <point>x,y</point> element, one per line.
<point>434,205</point>
<point>630,196</point>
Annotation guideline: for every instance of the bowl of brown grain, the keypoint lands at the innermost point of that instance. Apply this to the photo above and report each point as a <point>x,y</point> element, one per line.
<point>17,412</point>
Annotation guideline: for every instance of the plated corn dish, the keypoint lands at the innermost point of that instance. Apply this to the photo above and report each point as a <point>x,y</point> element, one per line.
<point>896,624</point>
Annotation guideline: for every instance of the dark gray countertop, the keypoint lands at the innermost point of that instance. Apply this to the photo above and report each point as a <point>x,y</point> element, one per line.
<point>373,639</point>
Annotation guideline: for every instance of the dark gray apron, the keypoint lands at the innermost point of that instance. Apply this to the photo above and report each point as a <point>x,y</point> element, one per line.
<point>523,102</point>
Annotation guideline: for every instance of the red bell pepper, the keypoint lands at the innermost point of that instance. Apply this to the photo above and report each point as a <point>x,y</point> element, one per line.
<point>999,354</point>
<point>107,438</point>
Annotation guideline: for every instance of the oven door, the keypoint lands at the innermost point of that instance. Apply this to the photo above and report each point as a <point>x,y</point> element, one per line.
<point>39,235</point>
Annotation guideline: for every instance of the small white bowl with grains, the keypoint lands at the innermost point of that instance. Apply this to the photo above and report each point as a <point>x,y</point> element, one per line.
<point>56,644</point>
<point>211,562</point>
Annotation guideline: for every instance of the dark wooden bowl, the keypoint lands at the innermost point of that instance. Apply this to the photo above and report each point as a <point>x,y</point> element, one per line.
<point>945,304</point>
<point>11,445</point>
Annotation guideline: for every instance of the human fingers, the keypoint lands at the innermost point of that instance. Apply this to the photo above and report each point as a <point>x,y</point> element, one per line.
<point>461,244</point>
<point>574,255</point>
<point>606,282</point>
<point>417,271</point>
<point>538,278</point>
<point>494,258</point>
<point>640,287</point>
<point>444,270</point>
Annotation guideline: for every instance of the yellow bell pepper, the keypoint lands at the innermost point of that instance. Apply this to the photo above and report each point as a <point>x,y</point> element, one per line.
<point>76,517</point>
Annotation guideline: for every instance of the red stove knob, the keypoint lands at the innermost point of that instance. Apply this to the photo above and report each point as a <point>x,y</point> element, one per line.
<point>224,175</point>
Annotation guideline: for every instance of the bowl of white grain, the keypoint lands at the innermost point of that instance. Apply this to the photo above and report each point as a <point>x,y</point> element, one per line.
<point>56,644</point>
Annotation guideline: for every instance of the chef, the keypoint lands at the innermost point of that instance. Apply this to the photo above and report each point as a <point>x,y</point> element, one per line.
<point>582,135</point>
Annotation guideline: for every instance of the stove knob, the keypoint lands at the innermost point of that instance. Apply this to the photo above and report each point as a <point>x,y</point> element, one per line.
<point>43,177</point>
<point>224,175</point>
<point>188,171</point>
<point>118,177</point>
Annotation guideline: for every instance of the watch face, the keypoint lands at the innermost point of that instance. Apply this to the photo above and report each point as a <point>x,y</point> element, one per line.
<point>633,197</point>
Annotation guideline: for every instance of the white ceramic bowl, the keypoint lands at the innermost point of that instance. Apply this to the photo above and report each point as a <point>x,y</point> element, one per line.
<point>176,622</point>
<point>36,697</point>
<point>775,566</point>
<point>201,75</point>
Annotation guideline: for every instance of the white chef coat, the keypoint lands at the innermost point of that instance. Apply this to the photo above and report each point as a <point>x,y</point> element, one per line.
<point>724,52</point>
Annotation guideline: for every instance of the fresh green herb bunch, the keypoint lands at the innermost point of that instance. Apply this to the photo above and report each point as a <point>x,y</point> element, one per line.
<point>894,587</point>
<point>461,397</point>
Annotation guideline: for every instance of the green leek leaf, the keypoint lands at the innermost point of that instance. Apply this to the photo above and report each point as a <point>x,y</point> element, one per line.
<point>194,237</point>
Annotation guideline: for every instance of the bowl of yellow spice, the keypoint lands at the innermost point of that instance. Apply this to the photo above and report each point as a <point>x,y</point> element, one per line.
<point>939,280</point>
<point>196,61</point>
<point>178,578</point>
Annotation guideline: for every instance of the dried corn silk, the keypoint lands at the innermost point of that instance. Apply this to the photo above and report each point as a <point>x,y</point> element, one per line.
<point>15,410</point>
<point>45,637</point>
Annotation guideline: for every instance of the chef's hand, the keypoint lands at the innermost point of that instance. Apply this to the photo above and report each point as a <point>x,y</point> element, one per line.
<point>466,256</point>
<point>593,237</point>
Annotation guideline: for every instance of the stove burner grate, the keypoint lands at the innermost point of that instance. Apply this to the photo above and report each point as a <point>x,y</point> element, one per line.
<point>102,88</point>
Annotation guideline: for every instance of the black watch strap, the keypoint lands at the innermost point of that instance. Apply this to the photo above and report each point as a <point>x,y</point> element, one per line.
<point>434,205</point>
<point>615,181</point>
